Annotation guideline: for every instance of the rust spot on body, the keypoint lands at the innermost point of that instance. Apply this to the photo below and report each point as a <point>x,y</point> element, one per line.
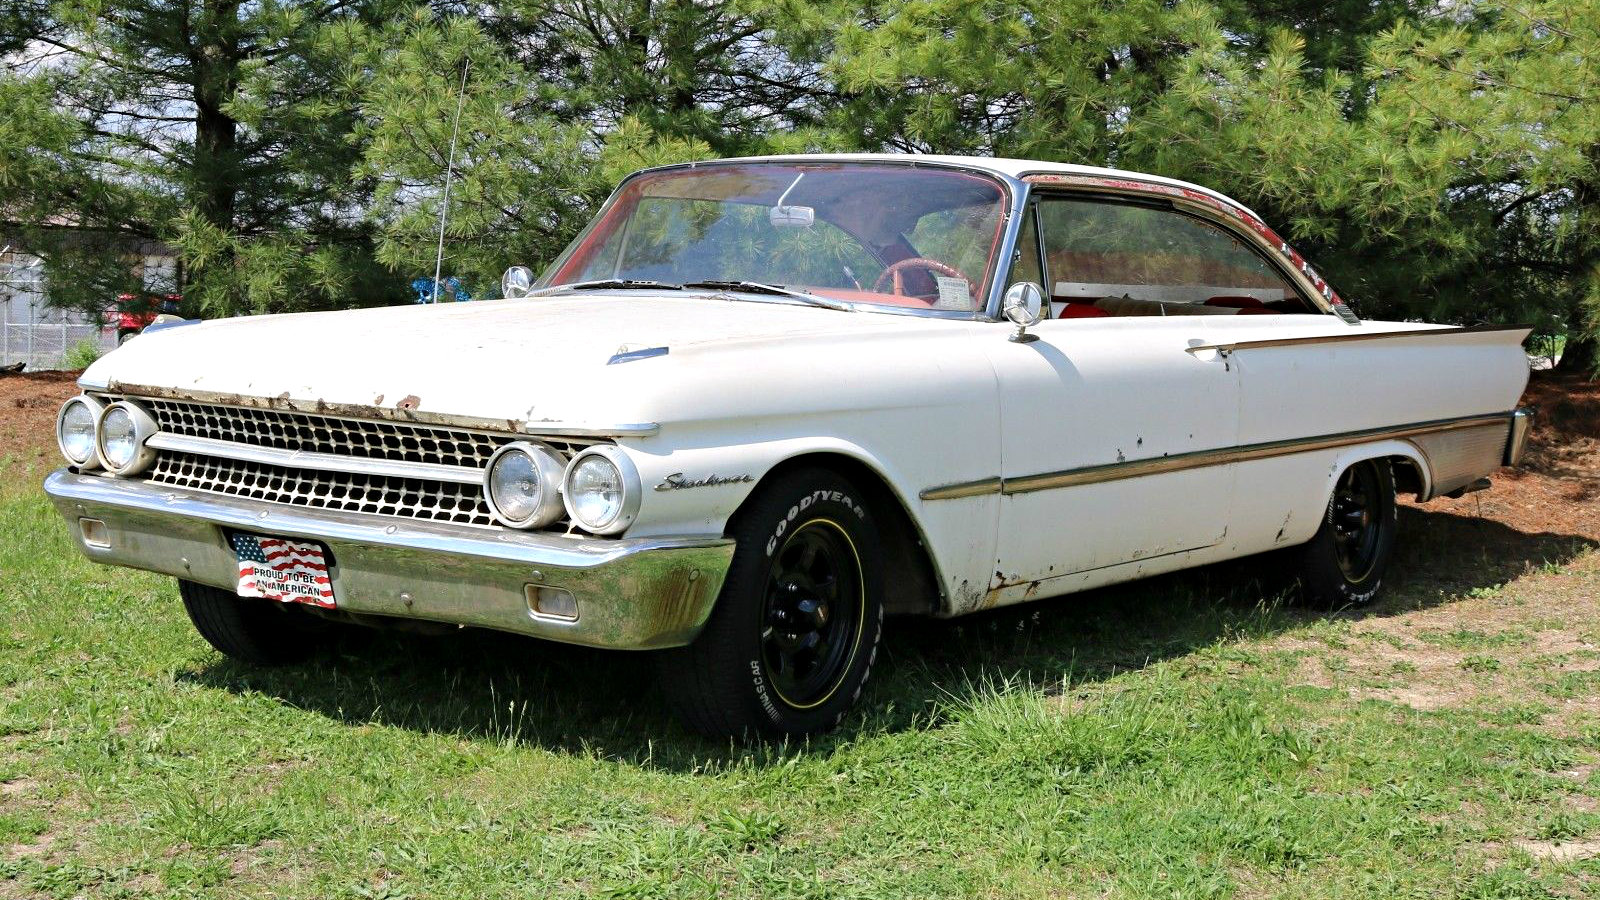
<point>410,401</point>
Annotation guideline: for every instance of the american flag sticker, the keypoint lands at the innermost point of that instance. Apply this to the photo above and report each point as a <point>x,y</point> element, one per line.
<point>283,570</point>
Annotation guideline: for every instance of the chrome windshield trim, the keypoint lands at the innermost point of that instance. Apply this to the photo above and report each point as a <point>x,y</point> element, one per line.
<point>1045,481</point>
<point>322,462</point>
<point>545,428</point>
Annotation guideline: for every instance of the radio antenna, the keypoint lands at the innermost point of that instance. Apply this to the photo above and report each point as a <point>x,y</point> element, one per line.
<point>449,175</point>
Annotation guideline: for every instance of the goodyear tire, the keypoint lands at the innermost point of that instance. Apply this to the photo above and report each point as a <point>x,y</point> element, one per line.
<point>795,631</point>
<point>1343,564</point>
<point>251,630</point>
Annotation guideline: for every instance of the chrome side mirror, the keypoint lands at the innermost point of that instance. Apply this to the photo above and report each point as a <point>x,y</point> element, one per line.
<point>1023,306</point>
<point>516,283</point>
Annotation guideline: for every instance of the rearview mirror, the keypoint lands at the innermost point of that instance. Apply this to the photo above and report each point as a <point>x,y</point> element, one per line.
<point>791,216</point>
<point>1023,306</point>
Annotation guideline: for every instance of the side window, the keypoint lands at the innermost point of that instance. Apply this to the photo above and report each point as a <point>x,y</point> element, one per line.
<point>1106,258</point>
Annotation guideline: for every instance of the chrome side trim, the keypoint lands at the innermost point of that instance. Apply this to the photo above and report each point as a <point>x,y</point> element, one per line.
<point>1517,441</point>
<point>1341,338</point>
<point>548,428</point>
<point>1045,481</point>
<point>322,462</point>
<point>963,489</point>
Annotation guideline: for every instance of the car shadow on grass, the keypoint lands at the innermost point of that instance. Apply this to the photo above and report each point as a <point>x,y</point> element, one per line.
<point>480,685</point>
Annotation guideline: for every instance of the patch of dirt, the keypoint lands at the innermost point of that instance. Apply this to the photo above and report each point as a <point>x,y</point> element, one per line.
<point>1529,543</point>
<point>28,405</point>
<point>1559,851</point>
<point>1558,486</point>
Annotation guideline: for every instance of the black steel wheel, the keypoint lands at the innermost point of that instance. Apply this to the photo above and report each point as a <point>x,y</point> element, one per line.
<point>812,617</point>
<point>795,630</point>
<point>1343,564</point>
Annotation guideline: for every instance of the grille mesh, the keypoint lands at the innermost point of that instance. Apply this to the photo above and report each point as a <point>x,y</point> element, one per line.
<point>325,434</point>
<point>439,501</point>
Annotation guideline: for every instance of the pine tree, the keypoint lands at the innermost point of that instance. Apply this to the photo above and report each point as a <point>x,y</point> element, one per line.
<point>215,125</point>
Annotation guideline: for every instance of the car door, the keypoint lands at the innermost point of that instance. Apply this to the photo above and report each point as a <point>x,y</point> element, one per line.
<point>1111,421</point>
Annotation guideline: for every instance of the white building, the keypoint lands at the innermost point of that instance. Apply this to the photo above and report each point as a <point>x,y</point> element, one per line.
<point>33,332</point>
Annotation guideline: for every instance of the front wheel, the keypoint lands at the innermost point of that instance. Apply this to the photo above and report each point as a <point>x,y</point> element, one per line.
<point>795,631</point>
<point>1343,564</point>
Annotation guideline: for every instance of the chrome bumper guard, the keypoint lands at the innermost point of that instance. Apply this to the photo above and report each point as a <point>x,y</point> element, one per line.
<point>1517,441</point>
<point>640,593</point>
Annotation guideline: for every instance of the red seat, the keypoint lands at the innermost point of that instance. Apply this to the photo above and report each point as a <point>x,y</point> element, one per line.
<point>1082,311</point>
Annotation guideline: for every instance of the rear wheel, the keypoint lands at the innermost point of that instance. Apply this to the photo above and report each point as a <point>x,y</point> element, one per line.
<point>795,631</point>
<point>1343,564</point>
<point>249,629</point>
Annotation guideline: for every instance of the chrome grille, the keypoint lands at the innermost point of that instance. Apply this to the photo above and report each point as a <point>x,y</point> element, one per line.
<point>399,441</point>
<point>353,491</point>
<point>439,501</point>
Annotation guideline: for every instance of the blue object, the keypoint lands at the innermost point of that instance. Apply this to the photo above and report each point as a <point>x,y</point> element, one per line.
<point>450,290</point>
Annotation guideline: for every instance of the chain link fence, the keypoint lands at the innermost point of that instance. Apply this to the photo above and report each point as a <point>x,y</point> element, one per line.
<point>51,345</point>
<point>33,333</point>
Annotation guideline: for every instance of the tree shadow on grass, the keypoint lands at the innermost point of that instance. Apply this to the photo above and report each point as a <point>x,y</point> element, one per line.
<point>488,686</point>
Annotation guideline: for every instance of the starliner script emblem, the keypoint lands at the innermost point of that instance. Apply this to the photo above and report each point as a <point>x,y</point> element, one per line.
<point>677,482</point>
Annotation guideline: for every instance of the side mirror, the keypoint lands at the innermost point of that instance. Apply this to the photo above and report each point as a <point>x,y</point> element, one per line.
<point>1023,306</point>
<point>516,283</point>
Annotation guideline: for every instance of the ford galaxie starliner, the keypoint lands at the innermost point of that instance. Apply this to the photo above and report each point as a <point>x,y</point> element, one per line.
<point>759,404</point>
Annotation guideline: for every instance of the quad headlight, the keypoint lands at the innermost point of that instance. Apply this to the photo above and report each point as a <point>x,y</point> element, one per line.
<point>121,436</point>
<point>523,485</point>
<point>75,426</point>
<point>601,490</point>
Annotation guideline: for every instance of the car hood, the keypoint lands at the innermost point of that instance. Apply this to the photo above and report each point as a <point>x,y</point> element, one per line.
<point>517,361</point>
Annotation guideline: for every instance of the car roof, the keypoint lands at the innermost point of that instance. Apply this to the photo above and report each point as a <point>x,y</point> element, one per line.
<point>1011,168</point>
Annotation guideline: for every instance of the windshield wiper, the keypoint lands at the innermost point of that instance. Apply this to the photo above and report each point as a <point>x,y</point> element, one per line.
<point>601,284</point>
<point>757,287</point>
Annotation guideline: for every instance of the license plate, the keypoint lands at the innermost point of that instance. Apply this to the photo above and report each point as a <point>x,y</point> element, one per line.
<point>283,570</point>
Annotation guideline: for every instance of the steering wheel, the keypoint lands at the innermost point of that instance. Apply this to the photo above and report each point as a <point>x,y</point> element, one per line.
<point>892,272</point>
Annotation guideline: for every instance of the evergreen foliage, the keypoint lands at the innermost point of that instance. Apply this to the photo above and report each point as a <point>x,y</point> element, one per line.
<point>1436,161</point>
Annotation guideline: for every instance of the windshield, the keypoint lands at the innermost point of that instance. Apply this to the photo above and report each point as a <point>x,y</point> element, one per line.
<point>888,235</point>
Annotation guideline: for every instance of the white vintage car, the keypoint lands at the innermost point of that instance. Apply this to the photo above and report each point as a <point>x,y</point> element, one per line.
<point>758,404</point>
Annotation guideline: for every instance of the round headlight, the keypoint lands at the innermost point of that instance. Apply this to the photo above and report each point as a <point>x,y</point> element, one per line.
<point>602,490</point>
<point>516,282</point>
<point>120,439</point>
<point>75,430</point>
<point>523,485</point>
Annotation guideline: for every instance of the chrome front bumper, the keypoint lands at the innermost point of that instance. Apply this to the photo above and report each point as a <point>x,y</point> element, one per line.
<point>637,593</point>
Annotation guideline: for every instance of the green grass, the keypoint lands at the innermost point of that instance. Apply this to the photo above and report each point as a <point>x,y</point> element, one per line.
<point>1159,740</point>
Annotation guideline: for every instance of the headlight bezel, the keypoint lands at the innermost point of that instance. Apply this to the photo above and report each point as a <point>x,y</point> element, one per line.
<point>144,427</point>
<point>627,509</point>
<point>549,467</point>
<point>95,406</point>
